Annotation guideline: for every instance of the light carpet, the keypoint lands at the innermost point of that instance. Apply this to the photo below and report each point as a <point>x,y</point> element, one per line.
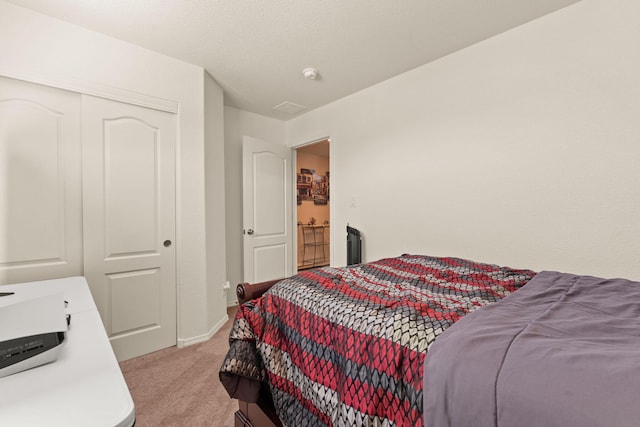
<point>180,386</point>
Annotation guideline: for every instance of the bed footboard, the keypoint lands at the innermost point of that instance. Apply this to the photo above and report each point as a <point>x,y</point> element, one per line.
<point>253,415</point>
<point>247,291</point>
<point>259,414</point>
<point>262,413</point>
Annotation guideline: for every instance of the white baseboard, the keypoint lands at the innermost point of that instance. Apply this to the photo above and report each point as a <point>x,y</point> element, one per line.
<point>184,342</point>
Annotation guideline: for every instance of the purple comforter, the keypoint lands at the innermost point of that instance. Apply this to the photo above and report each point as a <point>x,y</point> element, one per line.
<point>562,351</point>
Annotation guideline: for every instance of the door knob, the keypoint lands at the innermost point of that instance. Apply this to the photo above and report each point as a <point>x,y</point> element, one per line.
<point>167,243</point>
<point>249,231</point>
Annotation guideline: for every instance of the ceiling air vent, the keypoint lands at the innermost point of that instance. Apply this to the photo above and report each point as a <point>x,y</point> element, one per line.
<point>289,107</point>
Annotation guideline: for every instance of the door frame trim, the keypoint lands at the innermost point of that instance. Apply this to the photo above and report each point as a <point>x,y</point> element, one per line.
<point>91,88</point>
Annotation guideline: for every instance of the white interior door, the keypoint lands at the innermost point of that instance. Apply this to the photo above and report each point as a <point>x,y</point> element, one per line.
<point>40,182</point>
<point>267,199</point>
<point>129,222</point>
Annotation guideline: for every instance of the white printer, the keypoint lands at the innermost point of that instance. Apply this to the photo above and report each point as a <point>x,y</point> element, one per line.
<point>32,330</point>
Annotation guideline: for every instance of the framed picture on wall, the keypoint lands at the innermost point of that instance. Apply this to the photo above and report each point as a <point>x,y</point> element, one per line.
<point>312,186</point>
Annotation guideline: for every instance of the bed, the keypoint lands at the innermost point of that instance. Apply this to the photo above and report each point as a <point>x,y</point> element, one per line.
<point>418,340</point>
<point>346,346</point>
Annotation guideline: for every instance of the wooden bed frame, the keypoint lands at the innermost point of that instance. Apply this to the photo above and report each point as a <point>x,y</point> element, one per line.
<point>262,413</point>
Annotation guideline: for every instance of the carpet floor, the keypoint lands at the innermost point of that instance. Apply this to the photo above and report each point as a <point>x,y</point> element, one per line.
<point>180,386</point>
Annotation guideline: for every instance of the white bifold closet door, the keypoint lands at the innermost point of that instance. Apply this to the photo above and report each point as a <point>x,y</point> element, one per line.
<point>129,222</point>
<point>40,183</point>
<point>87,187</point>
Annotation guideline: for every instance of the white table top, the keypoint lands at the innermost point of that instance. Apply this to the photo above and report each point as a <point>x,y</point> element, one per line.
<point>84,386</point>
<point>75,290</point>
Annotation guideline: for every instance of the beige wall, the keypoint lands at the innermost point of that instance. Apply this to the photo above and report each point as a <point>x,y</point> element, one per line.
<point>215,209</point>
<point>520,150</point>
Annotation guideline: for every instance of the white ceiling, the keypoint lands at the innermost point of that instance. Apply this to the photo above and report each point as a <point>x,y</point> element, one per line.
<point>256,50</point>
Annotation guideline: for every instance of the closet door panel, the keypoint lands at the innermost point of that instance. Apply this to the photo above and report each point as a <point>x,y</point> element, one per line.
<point>40,182</point>
<point>129,222</point>
<point>131,193</point>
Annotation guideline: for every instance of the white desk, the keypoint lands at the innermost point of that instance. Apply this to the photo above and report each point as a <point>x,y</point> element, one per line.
<point>84,387</point>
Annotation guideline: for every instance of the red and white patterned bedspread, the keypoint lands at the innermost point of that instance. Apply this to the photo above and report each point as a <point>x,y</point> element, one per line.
<point>346,346</point>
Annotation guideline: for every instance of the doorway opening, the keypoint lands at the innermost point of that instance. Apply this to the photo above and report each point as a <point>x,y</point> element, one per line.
<point>313,205</point>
